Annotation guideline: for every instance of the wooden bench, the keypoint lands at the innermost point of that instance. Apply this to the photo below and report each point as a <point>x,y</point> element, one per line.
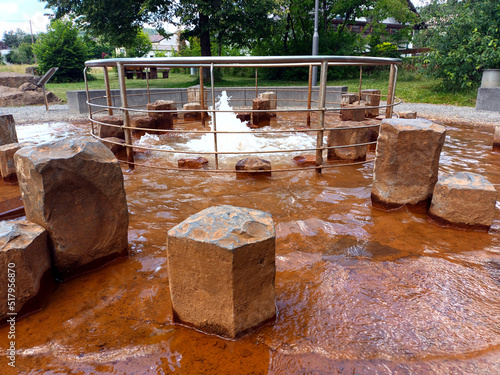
<point>140,72</point>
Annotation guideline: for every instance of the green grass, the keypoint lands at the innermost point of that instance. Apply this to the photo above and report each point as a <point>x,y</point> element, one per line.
<point>412,87</point>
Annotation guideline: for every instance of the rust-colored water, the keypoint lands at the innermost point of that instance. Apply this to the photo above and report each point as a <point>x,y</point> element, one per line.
<point>359,291</point>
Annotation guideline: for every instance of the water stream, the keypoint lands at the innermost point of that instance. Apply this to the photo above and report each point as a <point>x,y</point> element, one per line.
<point>359,291</point>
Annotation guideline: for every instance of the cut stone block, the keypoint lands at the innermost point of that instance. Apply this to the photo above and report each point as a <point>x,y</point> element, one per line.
<point>356,112</point>
<point>193,111</point>
<point>221,265</point>
<point>261,118</point>
<point>349,98</point>
<point>464,199</point>
<point>116,145</point>
<point>407,114</point>
<point>74,189</point>
<point>407,162</point>
<point>253,163</point>
<point>192,163</point>
<point>372,99</point>
<point>356,134</point>
<point>8,132</point>
<point>244,116</point>
<point>164,120</point>
<point>116,131</point>
<point>273,100</point>
<point>7,166</point>
<point>24,250</point>
<point>143,122</point>
<point>194,94</point>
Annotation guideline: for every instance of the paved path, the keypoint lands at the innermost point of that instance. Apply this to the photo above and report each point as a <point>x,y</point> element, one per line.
<point>442,113</point>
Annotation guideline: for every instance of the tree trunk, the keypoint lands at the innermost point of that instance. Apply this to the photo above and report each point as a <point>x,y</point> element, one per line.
<point>205,42</point>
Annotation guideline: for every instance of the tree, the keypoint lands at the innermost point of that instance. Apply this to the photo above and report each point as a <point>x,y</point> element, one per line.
<point>464,38</point>
<point>23,54</point>
<point>13,39</point>
<point>140,46</point>
<point>61,46</point>
<point>239,22</point>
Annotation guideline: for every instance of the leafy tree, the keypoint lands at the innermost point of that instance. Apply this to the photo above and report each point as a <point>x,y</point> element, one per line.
<point>62,46</point>
<point>464,36</point>
<point>13,39</point>
<point>140,46</point>
<point>23,54</point>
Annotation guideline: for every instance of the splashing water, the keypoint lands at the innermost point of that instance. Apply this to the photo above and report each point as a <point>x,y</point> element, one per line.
<point>244,140</point>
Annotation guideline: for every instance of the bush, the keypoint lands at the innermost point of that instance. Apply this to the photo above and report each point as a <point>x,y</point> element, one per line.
<point>22,54</point>
<point>62,47</point>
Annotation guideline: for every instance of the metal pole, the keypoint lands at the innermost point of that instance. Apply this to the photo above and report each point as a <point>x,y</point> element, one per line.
<point>147,84</point>
<point>88,98</point>
<point>108,91</point>
<point>360,81</point>
<point>309,95</point>
<point>321,106</point>
<point>32,40</point>
<point>202,97</point>
<point>214,118</point>
<point>126,116</point>
<point>390,94</point>
<point>315,42</point>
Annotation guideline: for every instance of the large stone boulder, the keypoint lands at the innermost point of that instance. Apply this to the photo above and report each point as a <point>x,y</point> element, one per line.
<point>261,118</point>
<point>221,266</point>
<point>350,133</point>
<point>192,112</point>
<point>8,132</point>
<point>273,100</point>
<point>10,97</point>
<point>24,254</point>
<point>464,199</point>
<point>14,80</point>
<point>407,162</point>
<point>110,126</point>
<point>163,120</point>
<point>371,97</point>
<point>74,188</point>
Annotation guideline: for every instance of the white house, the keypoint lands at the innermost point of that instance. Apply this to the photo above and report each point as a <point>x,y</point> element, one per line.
<point>165,45</point>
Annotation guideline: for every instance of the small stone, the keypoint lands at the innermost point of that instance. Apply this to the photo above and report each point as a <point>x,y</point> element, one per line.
<point>116,130</point>
<point>350,98</point>
<point>244,116</point>
<point>27,86</point>
<point>253,163</point>
<point>261,118</point>
<point>305,160</point>
<point>221,266</point>
<point>464,199</point>
<point>24,250</point>
<point>197,163</point>
<point>407,114</point>
<point>407,162</point>
<point>7,166</point>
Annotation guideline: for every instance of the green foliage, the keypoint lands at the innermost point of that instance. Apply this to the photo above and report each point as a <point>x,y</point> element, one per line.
<point>23,54</point>
<point>62,47</point>
<point>385,49</point>
<point>97,49</point>
<point>140,46</point>
<point>464,37</point>
<point>13,39</point>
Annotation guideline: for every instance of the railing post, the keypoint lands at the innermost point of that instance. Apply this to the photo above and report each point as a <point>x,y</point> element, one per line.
<point>321,107</point>
<point>109,101</point>
<point>309,95</point>
<point>126,115</point>
<point>214,117</point>
<point>202,97</point>
<point>391,91</point>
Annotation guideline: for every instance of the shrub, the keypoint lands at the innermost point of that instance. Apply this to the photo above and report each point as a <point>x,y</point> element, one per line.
<point>62,47</point>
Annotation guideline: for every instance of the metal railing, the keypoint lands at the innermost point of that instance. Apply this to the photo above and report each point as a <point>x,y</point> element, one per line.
<point>320,106</point>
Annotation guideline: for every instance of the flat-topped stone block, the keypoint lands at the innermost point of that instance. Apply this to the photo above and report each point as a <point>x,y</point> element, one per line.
<point>221,265</point>
<point>407,114</point>
<point>371,97</point>
<point>163,120</point>
<point>354,134</point>
<point>74,188</point>
<point>253,163</point>
<point>115,130</point>
<point>8,132</point>
<point>24,253</point>
<point>407,161</point>
<point>464,199</point>
<point>141,123</point>
<point>193,111</point>
<point>261,118</point>
<point>353,112</point>
<point>7,166</point>
<point>273,100</point>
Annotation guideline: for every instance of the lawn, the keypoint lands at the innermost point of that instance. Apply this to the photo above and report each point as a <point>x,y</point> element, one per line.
<point>412,87</point>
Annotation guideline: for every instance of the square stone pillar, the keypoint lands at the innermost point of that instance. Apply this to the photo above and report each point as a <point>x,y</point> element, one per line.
<point>372,99</point>
<point>355,133</point>
<point>407,162</point>
<point>7,166</point>
<point>261,118</point>
<point>8,132</point>
<point>273,100</point>
<point>465,200</point>
<point>163,120</point>
<point>221,266</point>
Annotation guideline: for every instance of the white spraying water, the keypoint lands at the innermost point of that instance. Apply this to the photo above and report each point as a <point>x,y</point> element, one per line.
<point>235,142</point>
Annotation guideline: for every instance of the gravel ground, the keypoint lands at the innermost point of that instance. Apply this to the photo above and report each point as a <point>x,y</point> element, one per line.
<point>441,113</point>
